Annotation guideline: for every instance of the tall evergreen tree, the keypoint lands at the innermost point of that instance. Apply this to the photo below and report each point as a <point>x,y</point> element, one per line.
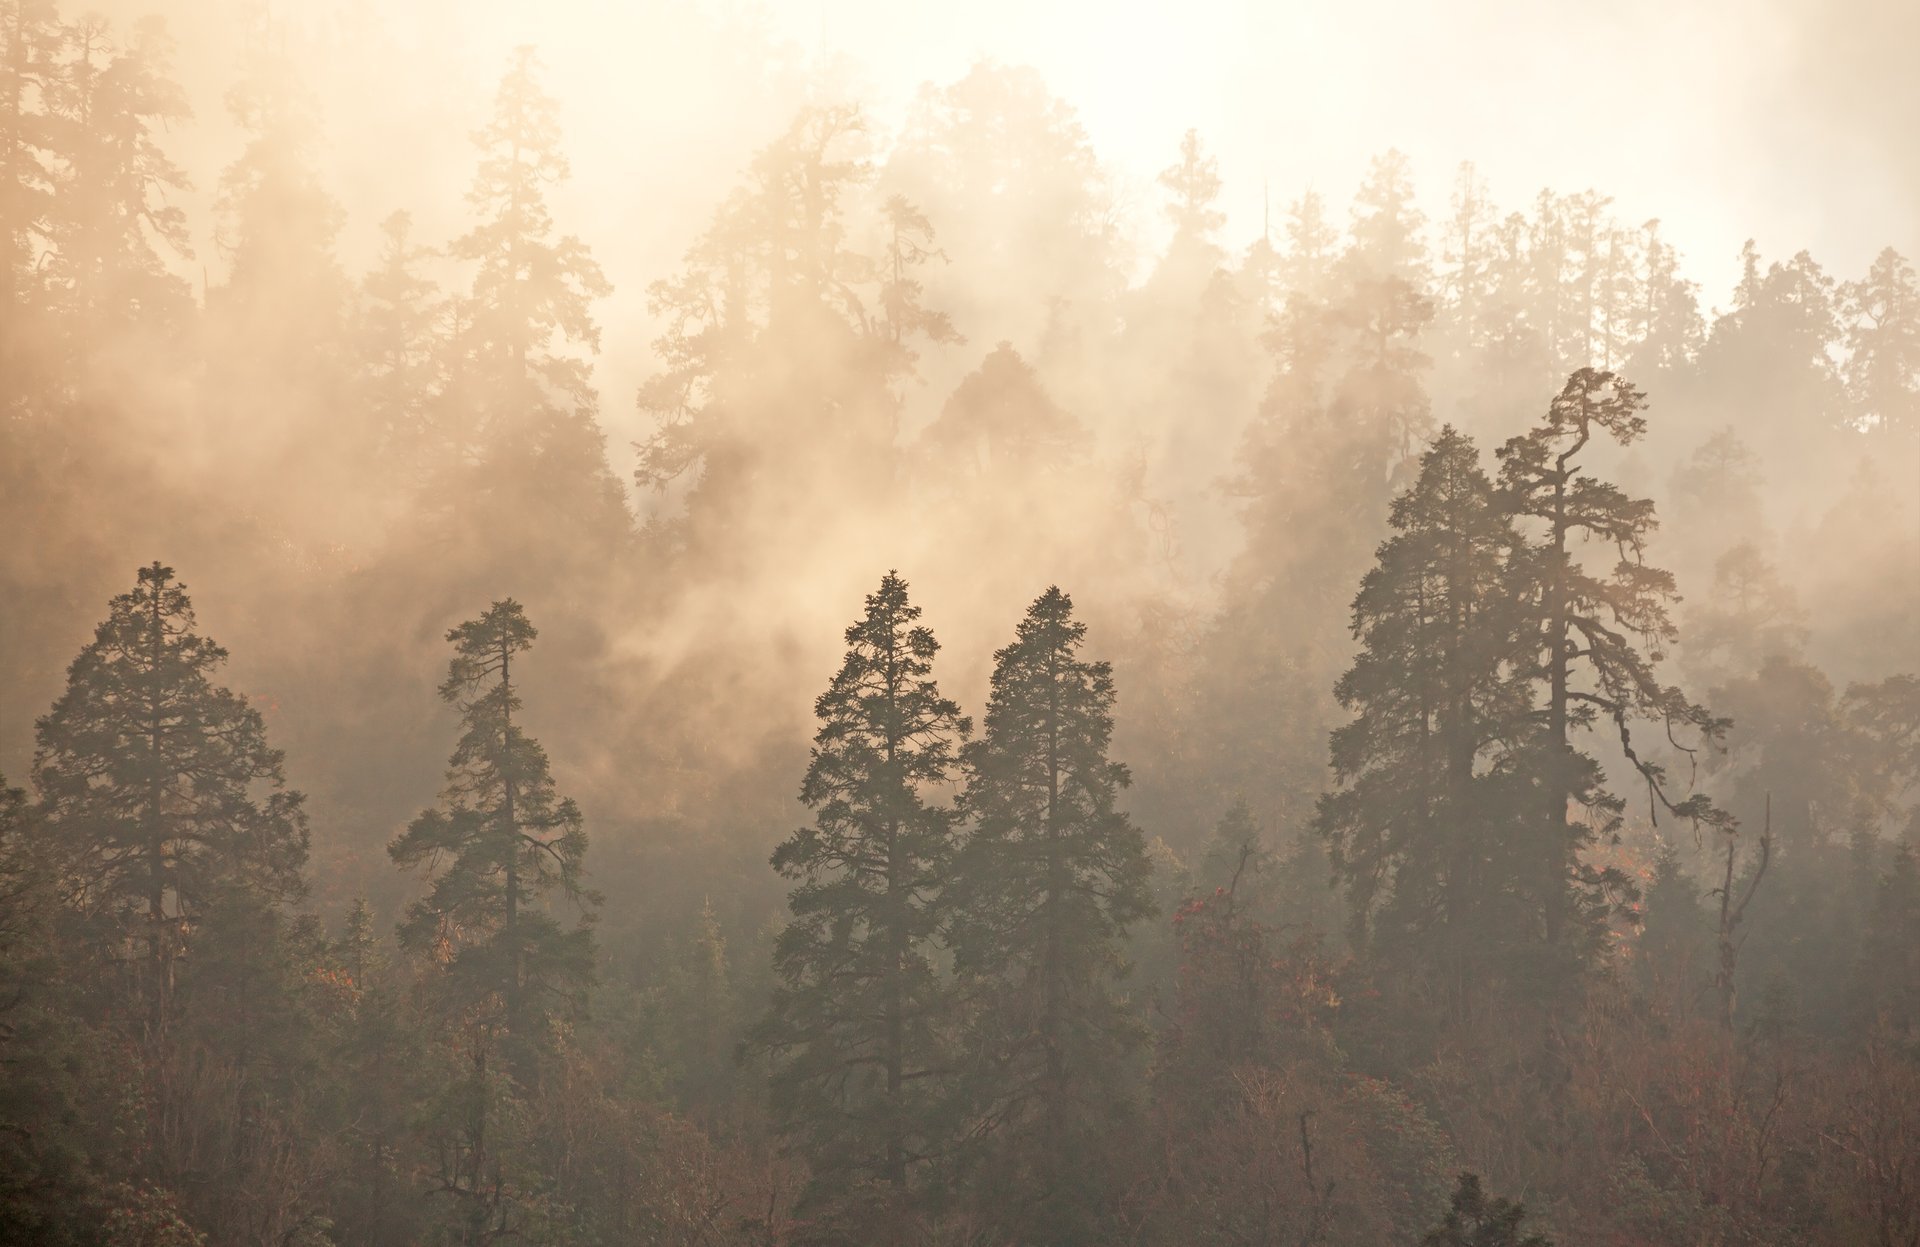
<point>1667,324</point>
<point>1598,637</point>
<point>787,340</point>
<point>1422,826</point>
<point>400,367</point>
<point>858,1025</point>
<point>522,373</point>
<point>1883,346</point>
<point>159,788</point>
<point>113,225</point>
<point>497,846</point>
<point>30,38</point>
<point>1192,186</point>
<point>1047,884</point>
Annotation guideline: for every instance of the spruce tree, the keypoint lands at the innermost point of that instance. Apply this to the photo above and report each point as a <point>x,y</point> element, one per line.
<point>1047,884</point>
<point>1597,639</point>
<point>500,842</point>
<point>858,1022</point>
<point>1421,825</point>
<point>160,791</point>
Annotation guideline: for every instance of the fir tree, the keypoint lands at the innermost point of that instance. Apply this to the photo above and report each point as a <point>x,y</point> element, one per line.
<point>1047,884</point>
<point>1192,186</point>
<point>160,791</point>
<point>858,1021</point>
<point>30,37</point>
<point>112,222</point>
<point>400,366</point>
<point>1388,225</point>
<point>1597,638</point>
<point>1883,346</point>
<point>1422,824</point>
<point>526,328</point>
<point>498,845</point>
<point>1667,324</point>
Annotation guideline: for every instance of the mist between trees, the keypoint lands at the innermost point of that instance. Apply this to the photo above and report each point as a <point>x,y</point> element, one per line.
<point>1401,729</point>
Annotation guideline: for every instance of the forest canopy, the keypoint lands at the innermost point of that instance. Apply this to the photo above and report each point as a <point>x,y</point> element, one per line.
<point>908,673</point>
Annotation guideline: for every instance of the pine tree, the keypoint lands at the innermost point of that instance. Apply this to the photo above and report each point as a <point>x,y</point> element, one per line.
<point>113,224</point>
<point>30,36</point>
<point>1468,249</point>
<point>1597,638</point>
<point>533,444</point>
<point>160,792</point>
<point>1312,247</point>
<point>400,366</point>
<point>1667,325</point>
<point>1192,185</point>
<point>1046,885</point>
<point>787,338</point>
<point>276,223</point>
<point>498,845</point>
<point>1422,825</point>
<point>858,1022</point>
<point>1388,226</point>
<point>1749,616</point>
<point>1883,346</point>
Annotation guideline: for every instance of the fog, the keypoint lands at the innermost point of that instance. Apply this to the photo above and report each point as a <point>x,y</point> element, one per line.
<point>680,325</point>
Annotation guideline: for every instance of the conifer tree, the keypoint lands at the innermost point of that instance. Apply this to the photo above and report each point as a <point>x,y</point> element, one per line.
<point>788,340</point>
<point>526,331</point>
<point>858,1023</point>
<point>1468,249</point>
<point>1598,637</point>
<point>159,788</point>
<point>1387,225</point>
<point>400,368</point>
<point>1473,1220</point>
<point>1667,324</point>
<point>30,38</point>
<point>277,224</point>
<point>1422,824</point>
<point>1192,186</point>
<point>112,222</point>
<point>1883,346</point>
<point>1047,884</point>
<point>501,841</point>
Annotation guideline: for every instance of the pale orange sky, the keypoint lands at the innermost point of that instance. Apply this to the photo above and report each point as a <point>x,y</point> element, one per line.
<point>1712,114</point>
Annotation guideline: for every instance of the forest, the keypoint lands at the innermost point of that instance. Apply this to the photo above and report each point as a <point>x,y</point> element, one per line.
<point>1037,716</point>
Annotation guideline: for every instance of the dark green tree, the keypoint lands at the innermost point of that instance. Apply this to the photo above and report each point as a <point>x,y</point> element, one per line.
<point>859,1023</point>
<point>1047,884</point>
<point>159,790</point>
<point>1422,824</point>
<point>501,841</point>
<point>1597,639</point>
<point>1473,1220</point>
